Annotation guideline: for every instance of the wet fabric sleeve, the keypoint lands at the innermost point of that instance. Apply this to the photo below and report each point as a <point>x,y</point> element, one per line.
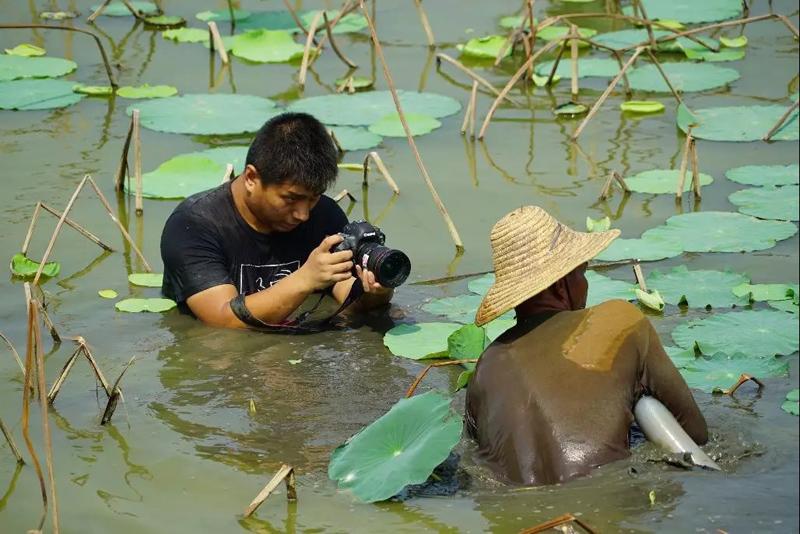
<point>665,383</point>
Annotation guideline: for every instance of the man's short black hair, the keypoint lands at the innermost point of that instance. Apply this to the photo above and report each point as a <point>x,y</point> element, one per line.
<point>294,147</point>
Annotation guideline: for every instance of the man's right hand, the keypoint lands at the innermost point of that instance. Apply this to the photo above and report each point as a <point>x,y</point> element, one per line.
<point>324,268</point>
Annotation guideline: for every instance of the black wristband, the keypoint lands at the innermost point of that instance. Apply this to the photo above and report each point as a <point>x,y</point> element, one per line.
<point>239,309</point>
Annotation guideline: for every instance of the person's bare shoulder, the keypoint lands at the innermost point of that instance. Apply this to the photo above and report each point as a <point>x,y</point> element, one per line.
<point>619,312</point>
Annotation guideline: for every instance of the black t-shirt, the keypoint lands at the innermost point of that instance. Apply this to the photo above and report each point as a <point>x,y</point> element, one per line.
<point>206,243</point>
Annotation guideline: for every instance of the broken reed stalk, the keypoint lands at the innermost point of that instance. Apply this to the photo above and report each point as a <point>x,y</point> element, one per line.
<point>11,444</point>
<point>301,80</point>
<point>477,77</point>
<point>14,352</point>
<point>62,376</point>
<point>744,377</point>
<point>620,181</point>
<point>510,41</point>
<point>639,6</point>
<point>135,12</point>
<point>295,18</point>
<point>473,104</point>
<point>639,276</point>
<point>336,50</point>
<point>80,229</point>
<point>336,142</point>
<point>374,156</point>
<point>428,182</point>
<point>573,54</point>
<point>49,323</point>
<point>95,367</point>
<point>228,173</point>
<point>657,63</point>
<point>560,520</point>
<point>549,46</point>
<point>116,394</point>
<point>215,41</point>
<point>606,93</point>
<point>556,62</point>
<point>780,122</point>
<point>532,35</point>
<point>613,176</point>
<point>695,171</point>
<point>137,161</point>
<point>413,387</point>
<point>426,25</point>
<point>346,8</point>
<point>122,169</point>
<point>98,11</point>
<point>109,72</point>
<point>687,147</point>
<point>342,194</point>
<point>285,473</point>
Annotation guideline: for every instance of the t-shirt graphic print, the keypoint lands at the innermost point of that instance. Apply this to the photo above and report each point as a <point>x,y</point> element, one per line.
<point>255,278</point>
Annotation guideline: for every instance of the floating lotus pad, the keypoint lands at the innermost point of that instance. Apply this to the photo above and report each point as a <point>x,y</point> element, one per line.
<point>499,325</point>
<point>29,95</point>
<point>145,305</point>
<point>282,20</point>
<point>350,23</point>
<point>642,106</point>
<point>146,279</point>
<point>358,82</point>
<point>118,9</point>
<point>738,123</point>
<point>703,54</point>
<point>662,181</point>
<point>603,288</point>
<point>356,138</point>
<point>19,67</point>
<point>587,68</point>
<point>598,225</point>
<point>108,293</point>
<point>364,109</point>
<point>24,267</point>
<point>206,114</point>
<point>94,90</point>
<point>770,175</point>
<point>552,33</point>
<point>264,46</point>
<point>643,249</point>
<point>717,231</point>
<point>418,341</point>
<point>570,108</point>
<point>165,20</point>
<point>58,15</point>
<point>685,77</point>
<point>460,308</point>
<point>186,35</point>
<point>792,403</point>
<point>512,22</point>
<point>26,50</point>
<point>651,299</point>
<point>147,91</point>
<point>719,372</point>
<point>766,292</point>
<point>680,357</point>
<point>466,343</point>
<point>700,288</point>
<point>223,15</point>
<point>690,11</point>
<point>481,285</point>
<point>418,124</point>
<point>785,306</point>
<point>626,38</point>
<point>402,447</point>
<point>734,42</point>
<point>761,333</point>
<point>780,203</point>
<point>486,47</point>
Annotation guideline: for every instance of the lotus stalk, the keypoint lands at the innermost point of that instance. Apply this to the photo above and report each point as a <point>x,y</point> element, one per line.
<point>215,41</point>
<point>413,387</point>
<point>426,26</point>
<point>477,77</point>
<point>639,276</point>
<point>13,352</point>
<point>376,158</point>
<point>11,444</point>
<point>336,49</point>
<point>687,149</point>
<point>284,474</point>
<point>695,172</point>
<point>782,120</point>
<point>558,521</point>
<point>137,161</point>
<point>573,44</point>
<point>744,377</point>
<point>116,394</point>
<point>342,194</point>
<point>346,8</point>
<point>123,169</point>
<point>307,50</point>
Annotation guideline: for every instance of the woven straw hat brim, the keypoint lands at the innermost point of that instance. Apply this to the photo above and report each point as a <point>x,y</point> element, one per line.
<point>514,285</point>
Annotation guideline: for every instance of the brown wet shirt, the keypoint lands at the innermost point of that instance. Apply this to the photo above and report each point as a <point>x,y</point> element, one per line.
<point>553,397</point>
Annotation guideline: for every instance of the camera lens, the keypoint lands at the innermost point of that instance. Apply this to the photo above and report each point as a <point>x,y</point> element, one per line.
<point>391,267</point>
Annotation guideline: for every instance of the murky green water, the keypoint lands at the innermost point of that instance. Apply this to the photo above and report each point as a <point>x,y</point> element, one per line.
<point>184,455</point>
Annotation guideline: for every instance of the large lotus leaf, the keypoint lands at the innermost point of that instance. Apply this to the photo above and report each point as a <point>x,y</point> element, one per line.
<point>603,288</point>
<point>720,371</point>
<point>721,231</point>
<point>147,91</point>
<point>266,46</point>
<point>460,308</point>
<point>642,249</point>
<point>235,155</point>
<point>146,279</point>
<point>626,38</point>
<point>467,343</point>
<point>181,176</point>
<point>418,341</point>
<point>738,123</point>
<point>206,113</point>
<point>663,181</point>
<point>268,20</point>
<point>145,305</point>
<point>766,292</point>
<point>363,109</point>
<point>390,125</point>
<point>118,9</point>
<point>500,325</point>
<point>792,403</point>
<point>680,357</point>
<point>18,67</point>
<point>704,54</point>
<point>186,35</point>
<point>27,95</point>
<point>355,138</point>
<point>25,267</point>
<point>481,285</point>
<point>26,50</point>
<point>690,11</point>
<point>785,306</point>
<point>753,332</point>
<point>350,23</point>
<point>589,67</point>
<point>402,447</point>
<point>781,203</point>
<point>486,47</point>
<point>773,175</point>
<point>223,15</point>
<point>685,77</point>
<point>698,289</point>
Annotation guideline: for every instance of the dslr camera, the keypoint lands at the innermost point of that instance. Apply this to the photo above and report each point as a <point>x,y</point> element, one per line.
<point>390,266</point>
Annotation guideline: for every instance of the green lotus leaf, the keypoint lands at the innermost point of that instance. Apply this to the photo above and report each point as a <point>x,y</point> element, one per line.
<point>681,357</point>
<point>642,106</point>
<point>27,95</point>
<point>671,24</point>
<point>541,81</point>
<point>486,47</point>
<point>643,249</point>
<point>785,306</point>
<point>589,67</point>
<point>771,175</point>
<point>186,35</point>
<point>145,305</point>
<point>146,279</point>
<point>467,343</point>
<point>734,42</point>
<point>598,225</point>
<point>26,50</point>
<point>118,9</point>
<point>58,15</point>
<point>364,109</point>
<point>359,82</point>
<point>350,23</point>
<point>726,54</point>
<point>18,67</point>
<point>147,91</point>
<point>93,90</point>
<point>791,405</point>
<point>223,15</point>
<point>763,333</point>
<point>779,203</point>
<point>265,46</point>
<point>738,123</point>
<point>720,371</point>
<point>419,341</point>
<point>481,285</point>
<point>165,20</point>
<point>603,288</point>
<point>652,299</point>
<point>25,267</point>
<point>685,77</point>
<point>719,231</point>
<point>355,138</point>
<point>689,11</point>
<point>513,22</point>
<point>463,379</point>
<point>268,20</point>
<point>699,288</point>
<point>663,181</point>
<point>402,447</point>
<point>627,38</point>
<point>766,292</point>
<point>108,293</point>
<point>206,114</point>
<point>570,108</point>
<point>552,33</point>
<point>460,308</point>
<point>390,125</point>
<point>500,325</point>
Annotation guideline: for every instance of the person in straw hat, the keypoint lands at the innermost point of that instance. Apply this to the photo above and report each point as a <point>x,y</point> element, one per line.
<point>553,397</point>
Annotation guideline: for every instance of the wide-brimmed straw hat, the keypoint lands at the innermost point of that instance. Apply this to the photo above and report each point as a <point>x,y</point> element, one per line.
<point>531,250</point>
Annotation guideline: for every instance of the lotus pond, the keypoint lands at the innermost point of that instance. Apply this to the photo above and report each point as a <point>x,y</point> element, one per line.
<point>209,416</point>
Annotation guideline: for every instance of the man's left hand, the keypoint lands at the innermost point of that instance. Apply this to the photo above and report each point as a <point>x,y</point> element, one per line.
<point>371,285</point>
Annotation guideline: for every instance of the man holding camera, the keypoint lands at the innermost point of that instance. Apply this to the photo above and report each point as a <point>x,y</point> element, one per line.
<point>249,252</point>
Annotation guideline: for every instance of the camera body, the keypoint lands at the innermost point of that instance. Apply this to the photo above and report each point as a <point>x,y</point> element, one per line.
<point>391,267</point>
